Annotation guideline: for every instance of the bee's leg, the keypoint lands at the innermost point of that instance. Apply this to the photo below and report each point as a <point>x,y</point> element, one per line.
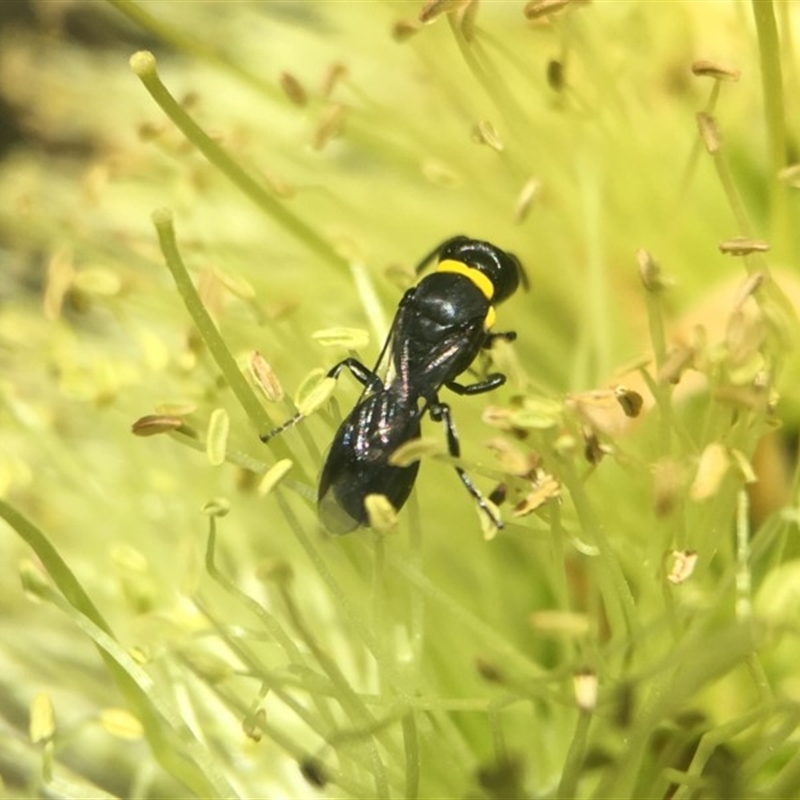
<point>440,412</point>
<point>486,385</point>
<point>492,336</point>
<point>284,426</point>
<point>366,377</point>
<point>492,381</point>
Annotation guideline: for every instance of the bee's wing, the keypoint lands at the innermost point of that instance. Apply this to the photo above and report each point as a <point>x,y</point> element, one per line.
<point>384,363</point>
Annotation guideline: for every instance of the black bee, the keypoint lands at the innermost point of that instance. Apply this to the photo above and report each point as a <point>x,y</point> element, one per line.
<point>440,326</point>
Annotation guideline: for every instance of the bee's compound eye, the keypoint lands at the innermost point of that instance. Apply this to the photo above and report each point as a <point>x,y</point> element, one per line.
<point>508,277</point>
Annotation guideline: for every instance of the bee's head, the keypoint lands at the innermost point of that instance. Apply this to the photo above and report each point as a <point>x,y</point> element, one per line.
<point>503,269</point>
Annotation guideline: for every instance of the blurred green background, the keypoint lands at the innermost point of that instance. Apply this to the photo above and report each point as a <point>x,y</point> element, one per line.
<point>430,662</point>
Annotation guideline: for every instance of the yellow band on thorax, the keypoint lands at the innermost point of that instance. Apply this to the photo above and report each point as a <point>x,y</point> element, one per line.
<point>476,276</point>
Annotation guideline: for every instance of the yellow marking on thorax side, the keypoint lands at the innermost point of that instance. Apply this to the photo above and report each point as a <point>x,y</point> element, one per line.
<point>478,278</point>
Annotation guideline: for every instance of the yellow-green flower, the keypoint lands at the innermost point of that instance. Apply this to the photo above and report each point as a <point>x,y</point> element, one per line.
<point>176,622</point>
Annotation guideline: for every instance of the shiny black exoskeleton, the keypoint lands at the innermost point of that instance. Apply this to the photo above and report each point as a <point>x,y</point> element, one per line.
<point>441,325</point>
